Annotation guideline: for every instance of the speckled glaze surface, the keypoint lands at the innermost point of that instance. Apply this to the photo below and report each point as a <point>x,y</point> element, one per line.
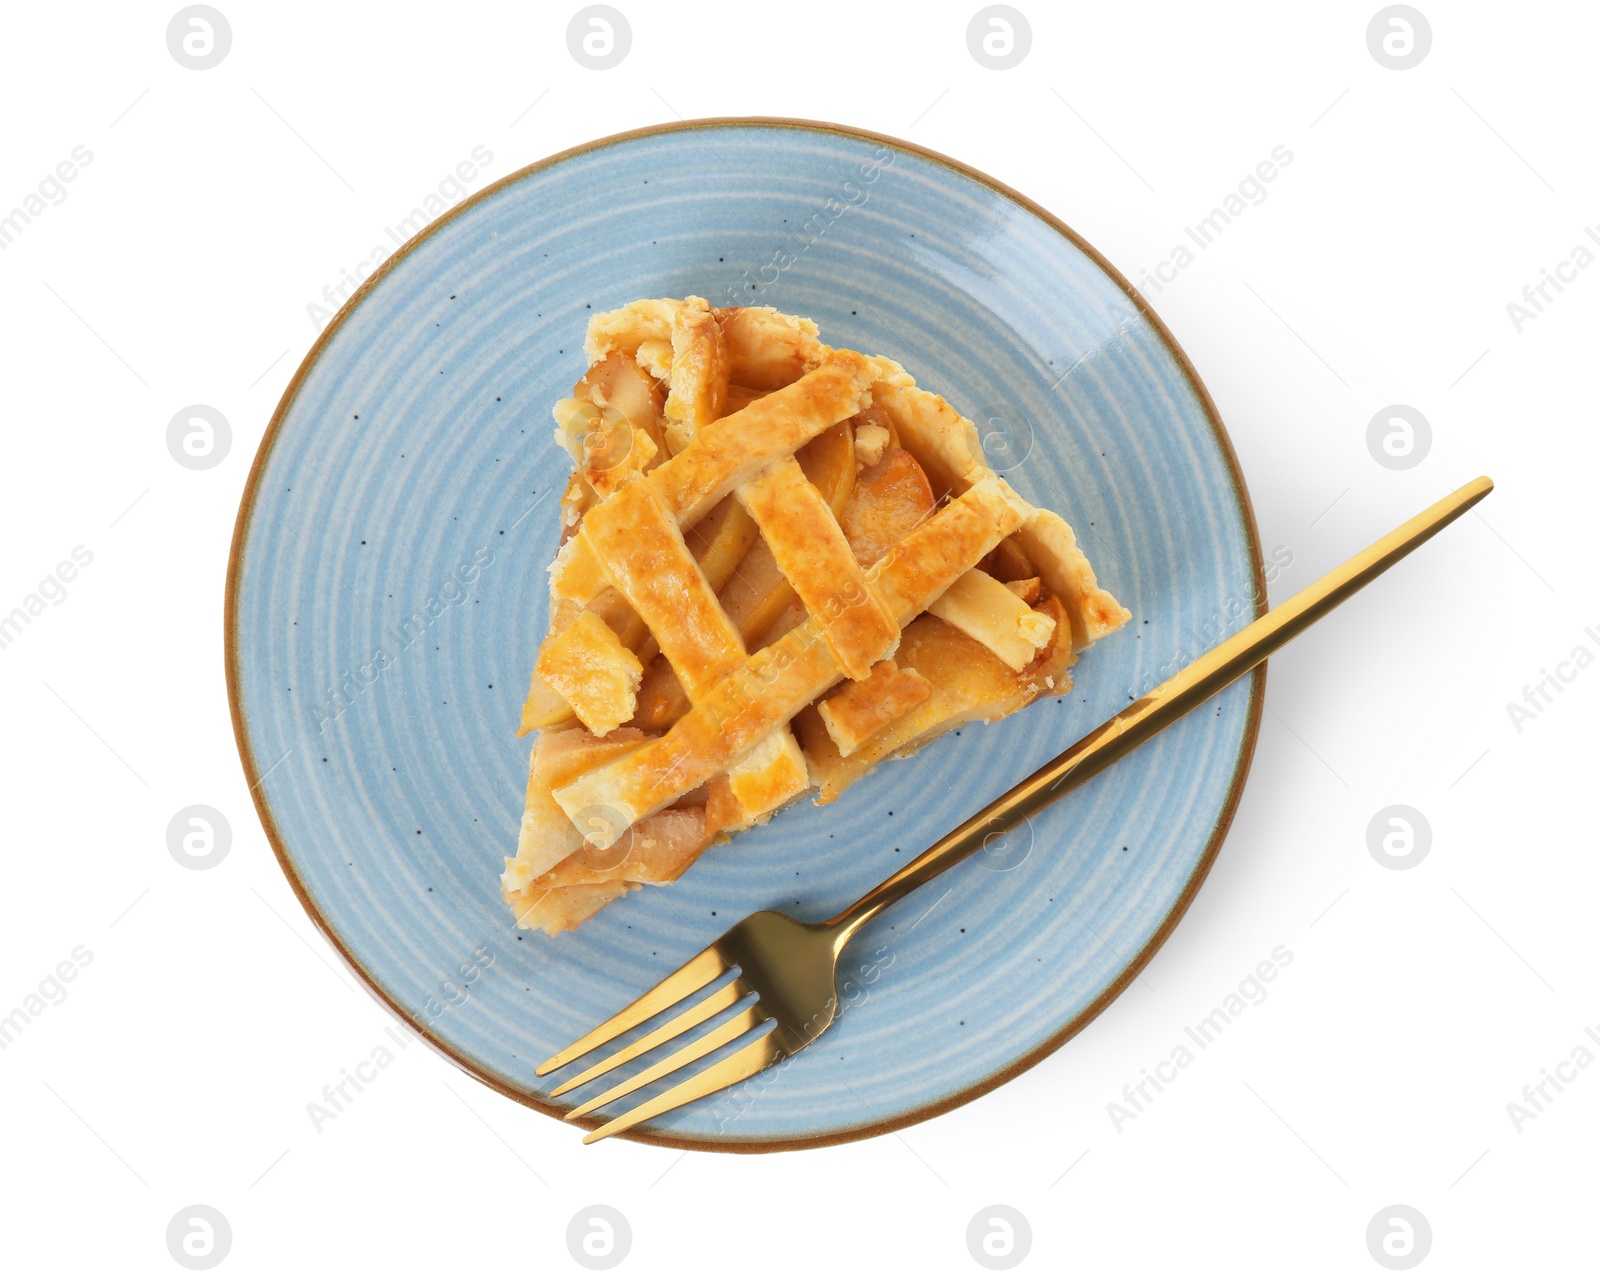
<point>387,597</point>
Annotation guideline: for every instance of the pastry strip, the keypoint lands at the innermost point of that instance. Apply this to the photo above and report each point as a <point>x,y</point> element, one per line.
<point>635,536</point>
<point>815,559</point>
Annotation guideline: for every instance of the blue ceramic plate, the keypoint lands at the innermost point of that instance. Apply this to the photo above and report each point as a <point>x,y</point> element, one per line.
<point>387,597</point>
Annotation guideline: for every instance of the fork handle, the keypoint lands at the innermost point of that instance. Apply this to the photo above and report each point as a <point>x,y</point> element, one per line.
<point>1159,708</point>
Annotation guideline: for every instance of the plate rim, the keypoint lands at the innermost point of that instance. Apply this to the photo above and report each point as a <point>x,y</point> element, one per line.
<point>641,1134</point>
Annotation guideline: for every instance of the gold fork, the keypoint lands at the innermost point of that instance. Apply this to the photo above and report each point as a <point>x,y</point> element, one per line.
<point>789,966</point>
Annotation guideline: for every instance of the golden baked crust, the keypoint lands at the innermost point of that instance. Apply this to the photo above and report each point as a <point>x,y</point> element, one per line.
<point>781,563</point>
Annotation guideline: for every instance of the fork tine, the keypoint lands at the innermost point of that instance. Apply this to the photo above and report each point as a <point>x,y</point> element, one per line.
<point>694,974</point>
<point>719,1076</point>
<point>750,1017</point>
<point>730,994</point>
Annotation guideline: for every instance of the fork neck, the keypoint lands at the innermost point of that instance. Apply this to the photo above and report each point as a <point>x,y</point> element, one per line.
<point>955,846</point>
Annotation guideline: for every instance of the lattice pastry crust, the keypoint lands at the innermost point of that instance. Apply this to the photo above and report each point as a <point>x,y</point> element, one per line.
<point>780,564</point>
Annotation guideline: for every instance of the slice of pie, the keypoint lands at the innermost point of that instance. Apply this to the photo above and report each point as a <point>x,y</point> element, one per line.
<point>780,564</point>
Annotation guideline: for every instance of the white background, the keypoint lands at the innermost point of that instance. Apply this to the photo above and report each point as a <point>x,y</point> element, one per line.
<point>1419,1003</point>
